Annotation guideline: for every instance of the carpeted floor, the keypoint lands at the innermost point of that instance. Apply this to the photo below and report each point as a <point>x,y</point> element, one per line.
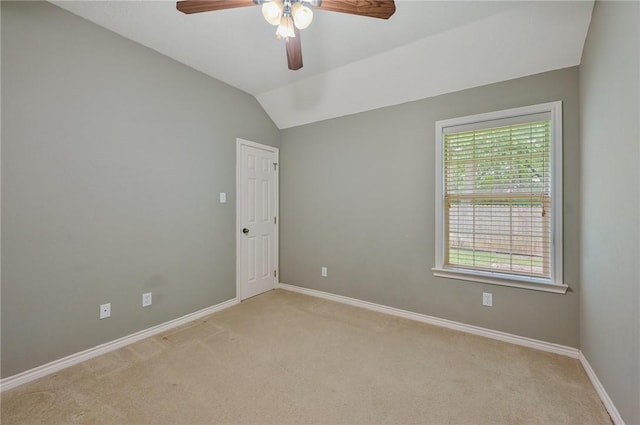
<point>286,358</point>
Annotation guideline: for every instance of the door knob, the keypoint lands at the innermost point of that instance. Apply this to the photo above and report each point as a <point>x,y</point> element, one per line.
<point>245,231</point>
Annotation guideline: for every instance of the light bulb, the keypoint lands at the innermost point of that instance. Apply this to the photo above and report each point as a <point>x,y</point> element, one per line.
<point>272,11</point>
<point>285,29</point>
<point>302,15</point>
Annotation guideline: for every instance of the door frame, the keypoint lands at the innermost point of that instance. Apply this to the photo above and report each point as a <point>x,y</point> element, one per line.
<point>239,208</point>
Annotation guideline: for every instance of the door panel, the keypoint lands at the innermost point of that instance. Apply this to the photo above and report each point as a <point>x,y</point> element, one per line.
<point>257,212</point>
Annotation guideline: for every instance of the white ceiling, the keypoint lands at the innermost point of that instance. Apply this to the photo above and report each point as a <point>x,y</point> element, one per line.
<point>352,63</point>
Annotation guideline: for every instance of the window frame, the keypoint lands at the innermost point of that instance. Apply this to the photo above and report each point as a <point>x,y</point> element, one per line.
<point>555,282</point>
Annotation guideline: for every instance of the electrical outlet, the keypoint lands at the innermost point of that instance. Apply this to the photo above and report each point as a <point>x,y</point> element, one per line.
<point>105,310</point>
<point>147,300</point>
<point>323,272</point>
<point>487,299</point>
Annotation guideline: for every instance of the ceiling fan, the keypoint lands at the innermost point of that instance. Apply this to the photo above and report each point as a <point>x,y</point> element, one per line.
<point>291,16</point>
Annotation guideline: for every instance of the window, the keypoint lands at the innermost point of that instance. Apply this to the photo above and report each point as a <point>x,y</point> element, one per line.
<point>499,198</point>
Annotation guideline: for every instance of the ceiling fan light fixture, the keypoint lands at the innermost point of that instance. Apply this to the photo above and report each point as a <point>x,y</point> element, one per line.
<point>272,11</point>
<point>290,16</point>
<point>302,15</point>
<point>285,29</point>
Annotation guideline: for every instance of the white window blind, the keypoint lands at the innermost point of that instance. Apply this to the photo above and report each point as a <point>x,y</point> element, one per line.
<point>497,195</point>
<point>496,199</point>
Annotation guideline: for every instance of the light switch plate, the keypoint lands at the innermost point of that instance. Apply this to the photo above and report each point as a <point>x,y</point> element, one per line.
<point>105,310</point>
<point>223,197</point>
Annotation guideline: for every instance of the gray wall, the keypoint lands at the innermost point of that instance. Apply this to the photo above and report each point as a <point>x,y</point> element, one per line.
<point>113,157</point>
<point>112,160</point>
<point>357,196</point>
<point>610,250</point>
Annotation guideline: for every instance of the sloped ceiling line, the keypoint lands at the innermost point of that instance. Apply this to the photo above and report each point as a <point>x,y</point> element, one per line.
<point>354,64</point>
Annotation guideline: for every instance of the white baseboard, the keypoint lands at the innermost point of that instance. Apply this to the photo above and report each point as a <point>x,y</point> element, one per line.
<point>606,400</point>
<point>52,367</point>
<point>56,365</point>
<point>450,324</point>
<point>475,330</point>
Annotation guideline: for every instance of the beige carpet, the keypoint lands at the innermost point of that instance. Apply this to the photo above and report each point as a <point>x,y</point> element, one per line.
<point>286,358</point>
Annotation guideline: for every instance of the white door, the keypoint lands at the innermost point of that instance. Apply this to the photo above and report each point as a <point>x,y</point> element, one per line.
<point>256,218</point>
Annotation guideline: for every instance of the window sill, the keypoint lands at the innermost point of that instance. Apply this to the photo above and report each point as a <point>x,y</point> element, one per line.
<point>544,287</point>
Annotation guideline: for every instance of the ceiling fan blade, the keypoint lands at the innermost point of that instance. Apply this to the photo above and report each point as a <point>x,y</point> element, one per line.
<point>294,51</point>
<point>197,6</point>
<point>382,9</point>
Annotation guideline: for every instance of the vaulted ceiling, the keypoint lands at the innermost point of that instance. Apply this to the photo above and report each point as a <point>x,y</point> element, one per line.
<point>353,63</point>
